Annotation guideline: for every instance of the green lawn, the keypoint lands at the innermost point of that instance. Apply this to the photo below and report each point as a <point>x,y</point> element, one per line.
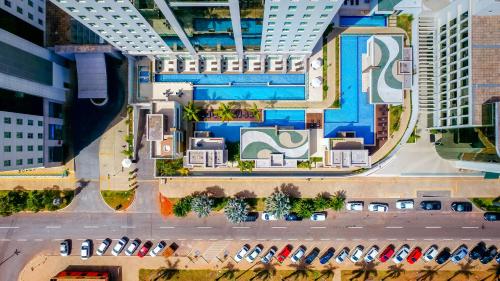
<point>118,200</point>
<point>12,202</point>
<point>404,22</point>
<point>395,118</point>
<point>486,204</point>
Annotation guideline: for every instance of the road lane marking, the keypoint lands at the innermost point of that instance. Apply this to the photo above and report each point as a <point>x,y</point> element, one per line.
<point>276,239</point>
<point>466,239</point>
<point>356,239</point>
<point>53,226</point>
<point>197,239</point>
<point>38,240</point>
<point>392,239</point>
<point>90,226</point>
<point>429,239</point>
<point>244,239</point>
<point>22,240</point>
<point>318,227</point>
<point>241,227</point>
<point>204,227</point>
<point>9,227</point>
<point>393,227</point>
<point>325,239</point>
<point>213,239</point>
<point>261,239</point>
<point>127,226</point>
<point>5,240</point>
<point>229,239</point>
<point>181,239</point>
<point>410,239</point>
<point>447,239</point>
<point>467,227</point>
<point>167,227</point>
<point>432,227</point>
<point>486,239</point>
<point>340,239</point>
<point>355,227</point>
<point>292,239</point>
<point>278,227</point>
<point>373,239</point>
<point>309,239</point>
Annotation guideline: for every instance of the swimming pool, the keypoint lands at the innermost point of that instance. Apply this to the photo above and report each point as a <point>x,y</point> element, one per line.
<point>363,21</point>
<point>241,86</point>
<point>231,130</point>
<point>356,114</point>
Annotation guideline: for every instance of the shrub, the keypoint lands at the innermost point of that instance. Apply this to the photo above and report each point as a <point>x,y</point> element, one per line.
<point>236,210</point>
<point>202,205</point>
<point>304,207</point>
<point>278,204</point>
<point>182,207</point>
<point>168,167</point>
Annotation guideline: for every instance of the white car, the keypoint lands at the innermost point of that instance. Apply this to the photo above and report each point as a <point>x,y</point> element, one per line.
<point>85,249</point>
<point>103,247</point>
<point>254,253</point>
<point>372,254</point>
<point>242,253</point>
<point>158,249</point>
<point>298,254</point>
<point>431,253</point>
<point>132,247</point>
<point>318,217</point>
<point>356,254</point>
<point>65,248</point>
<point>354,206</point>
<point>342,255</point>
<point>268,256</point>
<point>268,217</point>
<point>378,207</point>
<point>404,204</point>
<point>120,244</point>
<point>459,254</point>
<point>401,254</point>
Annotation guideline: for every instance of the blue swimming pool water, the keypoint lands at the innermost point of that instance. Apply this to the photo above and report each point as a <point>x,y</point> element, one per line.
<point>248,26</point>
<point>249,93</point>
<point>363,21</point>
<point>231,130</point>
<point>355,113</point>
<point>218,79</point>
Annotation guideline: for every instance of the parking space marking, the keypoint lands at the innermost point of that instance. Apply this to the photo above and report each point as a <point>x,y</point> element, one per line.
<point>204,227</point>
<point>486,239</point>
<point>410,239</point>
<point>467,227</point>
<point>58,239</point>
<point>309,239</point>
<point>278,227</point>
<point>53,226</point>
<point>394,227</point>
<point>292,239</point>
<point>181,239</point>
<point>340,239</point>
<point>90,226</point>
<point>241,227</point>
<point>433,227</point>
<point>325,239</point>
<point>355,227</point>
<point>38,240</point>
<point>229,239</point>
<point>5,240</point>
<point>9,227</point>
<point>466,239</point>
<point>373,239</point>
<point>22,240</point>
<point>244,239</point>
<point>127,226</point>
<point>261,239</point>
<point>429,239</point>
<point>213,239</point>
<point>318,227</point>
<point>197,239</point>
<point>167,227</point>
<point>391,239</point>
<point>276,239</point>
<point>447,239</point>
<point>356,239</point>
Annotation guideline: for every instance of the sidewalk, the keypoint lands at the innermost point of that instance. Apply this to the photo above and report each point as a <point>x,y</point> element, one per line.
<point>356,187</point>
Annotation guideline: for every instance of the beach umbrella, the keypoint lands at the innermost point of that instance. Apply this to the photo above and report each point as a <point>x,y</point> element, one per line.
<point>126,163</point>
<point>317,63</point>
<point>316,82</point>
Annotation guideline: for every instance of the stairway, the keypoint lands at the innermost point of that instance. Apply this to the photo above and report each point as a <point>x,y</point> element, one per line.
<point>425,65</point>
<point>392,21</point>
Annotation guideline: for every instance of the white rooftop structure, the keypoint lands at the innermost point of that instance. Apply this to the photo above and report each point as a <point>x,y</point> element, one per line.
<point>349,158</point>
<point>205,151</point>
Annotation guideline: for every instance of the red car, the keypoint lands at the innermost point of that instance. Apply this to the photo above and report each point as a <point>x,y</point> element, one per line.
<point>414,255</point>
<point>284,253</point>
<point>386,254</point>
<point>145,249</point>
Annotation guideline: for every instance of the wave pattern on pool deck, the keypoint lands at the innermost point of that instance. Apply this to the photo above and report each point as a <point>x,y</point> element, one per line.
<point>356,114</point>
<point>231,130</point>
<point>241,86</point>
<point>363,21</point>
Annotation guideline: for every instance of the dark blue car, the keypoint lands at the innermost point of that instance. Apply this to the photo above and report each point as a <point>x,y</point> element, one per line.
<point>312,255</point>
<point>292,217</point>
<point>327,256</point>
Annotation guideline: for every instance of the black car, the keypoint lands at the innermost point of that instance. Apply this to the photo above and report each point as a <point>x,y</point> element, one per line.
<point>492,216</point>
<point>252,216</point>
<point>312,255</point>
<point>489,255</point>
<point>327,256</point>
<point>430,205</point>
<point>461,207</point>
<point>478,251</point>
<point>292,217</point>
<point>497,259</point>
<point>443,256</point>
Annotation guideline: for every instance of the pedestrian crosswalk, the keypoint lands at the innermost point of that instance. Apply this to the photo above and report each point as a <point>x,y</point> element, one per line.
<point>215,249</point>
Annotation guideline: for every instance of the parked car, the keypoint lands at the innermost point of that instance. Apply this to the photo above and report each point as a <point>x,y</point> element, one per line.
<point>371,254</point>
<point>145,249</point>
<point>342,255</point>
<point>65,248</point>
<point>443,256</point>
<point>252,216</point>
<point>354,206</point>
<point>241,253</point>
<point>459,254</point>
<point>293,217</point>
<point>461,207</point>
<point>132,247</point>
<point>157,250</point>
<point>103,247</point>
<point>268,256</point>
<point>386,253</point>
<point>431,253</point>
<point>86,249</point>
<point>478,251</point>
<point>492,216</point>
<point>404,204</point>
<point>298,254</point>
<point>311,256</point>
<point>268,217</point>
<point>497,259</point>
<point>254,253</point>
<point>285,253</point>
<point>430,205</point>
<point>414,255</point>
<point>120,244</point>
<point>401,254</point>
<point>318,217</point>
<point>378,207</point>
<point>489,255</point>
<point>356,254</point>
<point>327,256</point>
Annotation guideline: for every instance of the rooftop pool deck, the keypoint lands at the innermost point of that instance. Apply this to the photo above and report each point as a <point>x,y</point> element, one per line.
<point>363,21</point>
<point>231,130</point>
<point>356,114</point>
<point>242,86</point>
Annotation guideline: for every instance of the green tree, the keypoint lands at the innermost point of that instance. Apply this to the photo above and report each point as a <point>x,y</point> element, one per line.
<point>304,207</point>
<point>255,111</point>
<point>224,112</point>
<point>236,210</point>
<point>246,166</point>
<point>168,167</point>
<point>278,204</point>
<point>321,203</point>
<point>202,205</point>
<point>337,202</point>
<point>191,112</point>
<point>182,207</point>
<point>35,201</point>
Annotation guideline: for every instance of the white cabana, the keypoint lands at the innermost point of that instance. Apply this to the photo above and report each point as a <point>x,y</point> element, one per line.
<point>126,163</point>
<point>316,82</point>
<point>317,63</point>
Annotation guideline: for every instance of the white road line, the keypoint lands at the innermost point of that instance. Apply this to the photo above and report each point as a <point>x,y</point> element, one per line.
<point>197,239</point>
<point>432,227</point>
<point>355,227</point>
<point>204,227</point>
<point>53,226</point>
<point>410,239</point>
<point>486,239</point>
<point>261,239</point>
<point>4,239</point>
<point>90,226</point>
<point>292,239</point>
<point>9,227</point>
<point>278,227</point>
<point>213,239</point>
<point>429,239</point>
<point>22,240</point>
<point>466,239</point>
<point>57,239</point>
<point>318,227</point>
<point>373,239</point>
<point>182,239</point>
<point>340,239</point>
<point>38,240</point>
<point>467,227</point>
<point>392,239</point>
<point>127,226</point>
<point>276,239</point>
<point>448,239</point>
<point>356,239</point>
<point>244,239</point>
<point>393,227</point>
<point>241,227</point>
<point>325,239</point>
<point>167,227</point>
<point>309,239</point>
<point>229,239</point>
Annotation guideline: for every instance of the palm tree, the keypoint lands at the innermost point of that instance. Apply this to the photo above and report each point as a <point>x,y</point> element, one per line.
<point>465,270</point>
<point>278,204</point>
<point>229,272</point>
<point>394,272</point>
<point>327,273</point>
<point>168,272</point>
<point>202,205</point>
<point>337,203</point>
<point>365,271</point>
<point>255,111</point>
<point>191,112</point>
<point>266,272</point>
<point>428,273</point>
<point>225,112</point>
<point>246,166</point>
<point>301,271</point>
<point>236,210</point>
<point>496,273</point>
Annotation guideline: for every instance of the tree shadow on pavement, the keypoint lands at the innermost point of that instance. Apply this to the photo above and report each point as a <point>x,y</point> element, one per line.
<point>395,271</point>
<point>229,272</point>
<point>428,273</point>
<point>265,272</point>
<point>300,271</point>
<point>289,189</point>
<point>327,273</point>
<point>364,271</point>
<point>168,272</point>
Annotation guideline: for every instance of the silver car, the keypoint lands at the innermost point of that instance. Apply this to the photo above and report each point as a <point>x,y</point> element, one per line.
<point>241,253</point>
<point>431,253</point>
<point>354,206</point>
<point>103,247</point>
<point>356,254</point>
<point>298,254</point>
<point>132,247</point>
<point>254,253</point>
<point>404,204</point>
<point>342,255</point>
<point>85,249</point>
<point>268,256</point>
<point>401,254</point>
<point>459,254</point>
<point>371,254</point>
<point>118,248</point>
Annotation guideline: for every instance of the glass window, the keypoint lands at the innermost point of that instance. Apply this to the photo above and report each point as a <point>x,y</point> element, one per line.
<point>40,9</point>
<point>19,135</point>
<point>30,135</point>
<point>40,123</point>
<point>274,8</point>
<point>30,161</point>
<point>328,8</point>
<point>30,16</point>
<point>323,16</point>
<point>6,148</point>
<point>309,8</point>
<point>40,147</point>
<point>7,120</point>
<point>285,30</point>
<point>306,16</point>
<point>19,121</point>
<point>6,163</point>
<point>289,16</point>
<point>300,30</point>
<point>55,110</point>
<point>288,23</point>
<point>7,3</point>
<point>270,30</point>
<point>292,8</point>
<point>19,162</point>
<point>272,16</point>
<point>7,135</point>
<point>40,135</point>
<point>20,10</point>
<point>30,122</point>
<point>40,160</point>
<point>30,148</point>
<point>19,148</point>
<point>272,23</point>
